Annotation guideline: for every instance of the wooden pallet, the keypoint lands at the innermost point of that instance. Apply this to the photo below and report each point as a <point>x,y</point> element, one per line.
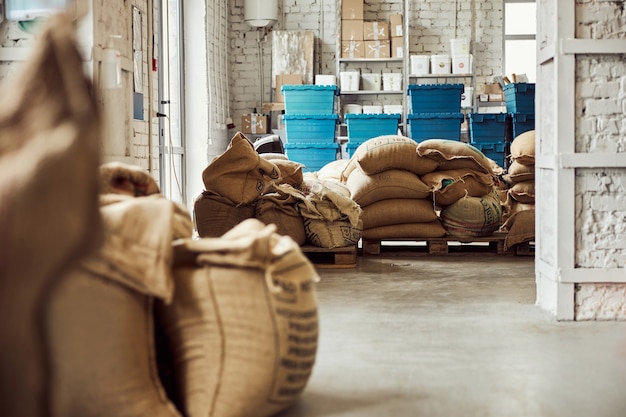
<point>331,258</point>
<point>449,245</point>
<point>525,249</point>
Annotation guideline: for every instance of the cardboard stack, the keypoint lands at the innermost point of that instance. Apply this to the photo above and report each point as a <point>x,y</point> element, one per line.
<point>352,45</point>
<point>396,32</point>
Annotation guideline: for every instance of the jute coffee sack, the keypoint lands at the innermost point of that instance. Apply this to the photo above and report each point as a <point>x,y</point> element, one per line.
<point>523,148</point>
<point>215,215</point>
<point>239,174</point>
<point>473,216</point>
<point>524,192</point>
<point>406,231</point>
<point>395,183</point>
<point>243,323</point>
<point>271,156</point>
<point>280,207</point>
<point>290,172</point>
<point>520,173</point>
<point>398,211</point>
<point>520,227</point>
<point>100,316</point>
<point>449,186</point>
<point>119,178</point>
<point>331,217</point>
<point>50,137</point>
<point>332,170</point>
<point>388,152</point>
<point>451,154</point>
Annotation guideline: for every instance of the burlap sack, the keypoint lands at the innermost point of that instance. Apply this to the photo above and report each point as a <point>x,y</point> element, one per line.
<point>451,154</point>
<point>290,172</point>
<point>271,156</point>
<point>243,323</point>
<point>473,216</point>
<point>406,231</point>
<point>100,316</point>
<point>451,185</point>
<point>520,227</point>
<point>520,173</point>
<point>332,170</point>
<point>524,192</point>
<point>281,209</point>
<point>239,174</point>
<point>330,235</point>
<point>50,136</point>
<point>523,148</point>
<point>388,152</point>
<point>119,178</point>
<point>367,189</point>
<point>398,211</point>
<point>215,215</point>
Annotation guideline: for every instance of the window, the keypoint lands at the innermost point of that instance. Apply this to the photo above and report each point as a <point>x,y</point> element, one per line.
<point>520,28</point>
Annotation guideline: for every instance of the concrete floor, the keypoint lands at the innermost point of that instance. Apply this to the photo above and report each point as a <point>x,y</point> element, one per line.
<point>456,336</point>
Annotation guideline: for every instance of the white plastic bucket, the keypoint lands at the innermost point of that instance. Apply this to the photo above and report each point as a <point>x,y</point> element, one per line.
<point>350,80</point>
<point>321,79</point>
<point>461,64</point>
<point>352,109</point>
<point>420,64</point>
<point>392,81</point>
<point>371,82</point>
<point>459,46</point>
<point>440,64</point>
<point>372,109</point>
<point>393,108</point>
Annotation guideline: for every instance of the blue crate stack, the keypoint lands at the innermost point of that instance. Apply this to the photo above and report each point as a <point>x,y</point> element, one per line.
<point>435,111</point>
<point>310,122</point>
<point>365,126</point>
<point>520,105</point>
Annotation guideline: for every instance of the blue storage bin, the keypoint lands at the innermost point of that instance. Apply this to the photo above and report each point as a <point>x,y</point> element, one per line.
<point>435,98</point>
<point>309,99</point>
<point>522,122</point>
<point>362,127</point>
<point>423,126</point>
<point>313,155</point>
<point>493,150</point>
<point>487,127</point>
<point>520,97</point>
<point>310,128</point>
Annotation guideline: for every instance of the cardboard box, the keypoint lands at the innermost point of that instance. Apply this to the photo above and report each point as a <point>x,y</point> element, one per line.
<point>352,30</point>
<point>397,47</point>
<point>352,49</point>
<point>377,49</point>
<point>493,89</point>
<point>285,79</point>
<point>375,31</point>
<point>396,29</point>
<point>254,123</point>
<point>352,10</point>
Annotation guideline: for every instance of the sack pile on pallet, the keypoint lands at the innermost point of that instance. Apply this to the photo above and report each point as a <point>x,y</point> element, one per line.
<point>242,184</point>
<point>520,203</point>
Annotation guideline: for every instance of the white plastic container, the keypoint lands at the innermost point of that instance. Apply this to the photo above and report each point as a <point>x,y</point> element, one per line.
<point>373,109</point>
<point>393,108</point>
<point>461,64</point>
<point>321,79</point>
<point>371,82</point>
<point>459,46</point>
<point>352,109</point>
<point>420,64</point>
<point>392,81</point>
<point>350,80</point>
<point>467,98</point>
<point>440,64</point>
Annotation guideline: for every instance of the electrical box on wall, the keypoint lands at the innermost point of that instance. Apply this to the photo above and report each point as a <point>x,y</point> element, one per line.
<point>21,10</point>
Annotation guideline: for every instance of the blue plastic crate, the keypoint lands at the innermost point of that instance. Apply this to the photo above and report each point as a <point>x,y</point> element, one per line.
<point>493,150</point>
<point>522,122</point>
<point>423,126</point>
<point>435,98</point>
<point>487,127</point>
<point>313,155</point>
<point>309,99</point>
<point>362,127</point>
<point>520,97</point>
<point>309,128</point>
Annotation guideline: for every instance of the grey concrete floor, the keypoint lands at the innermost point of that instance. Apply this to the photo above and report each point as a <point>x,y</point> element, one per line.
<point>456,336</point>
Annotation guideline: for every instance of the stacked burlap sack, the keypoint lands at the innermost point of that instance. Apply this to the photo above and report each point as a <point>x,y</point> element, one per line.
<point>463,187</point>
<point>383,177</point>
<point>520,203</point>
